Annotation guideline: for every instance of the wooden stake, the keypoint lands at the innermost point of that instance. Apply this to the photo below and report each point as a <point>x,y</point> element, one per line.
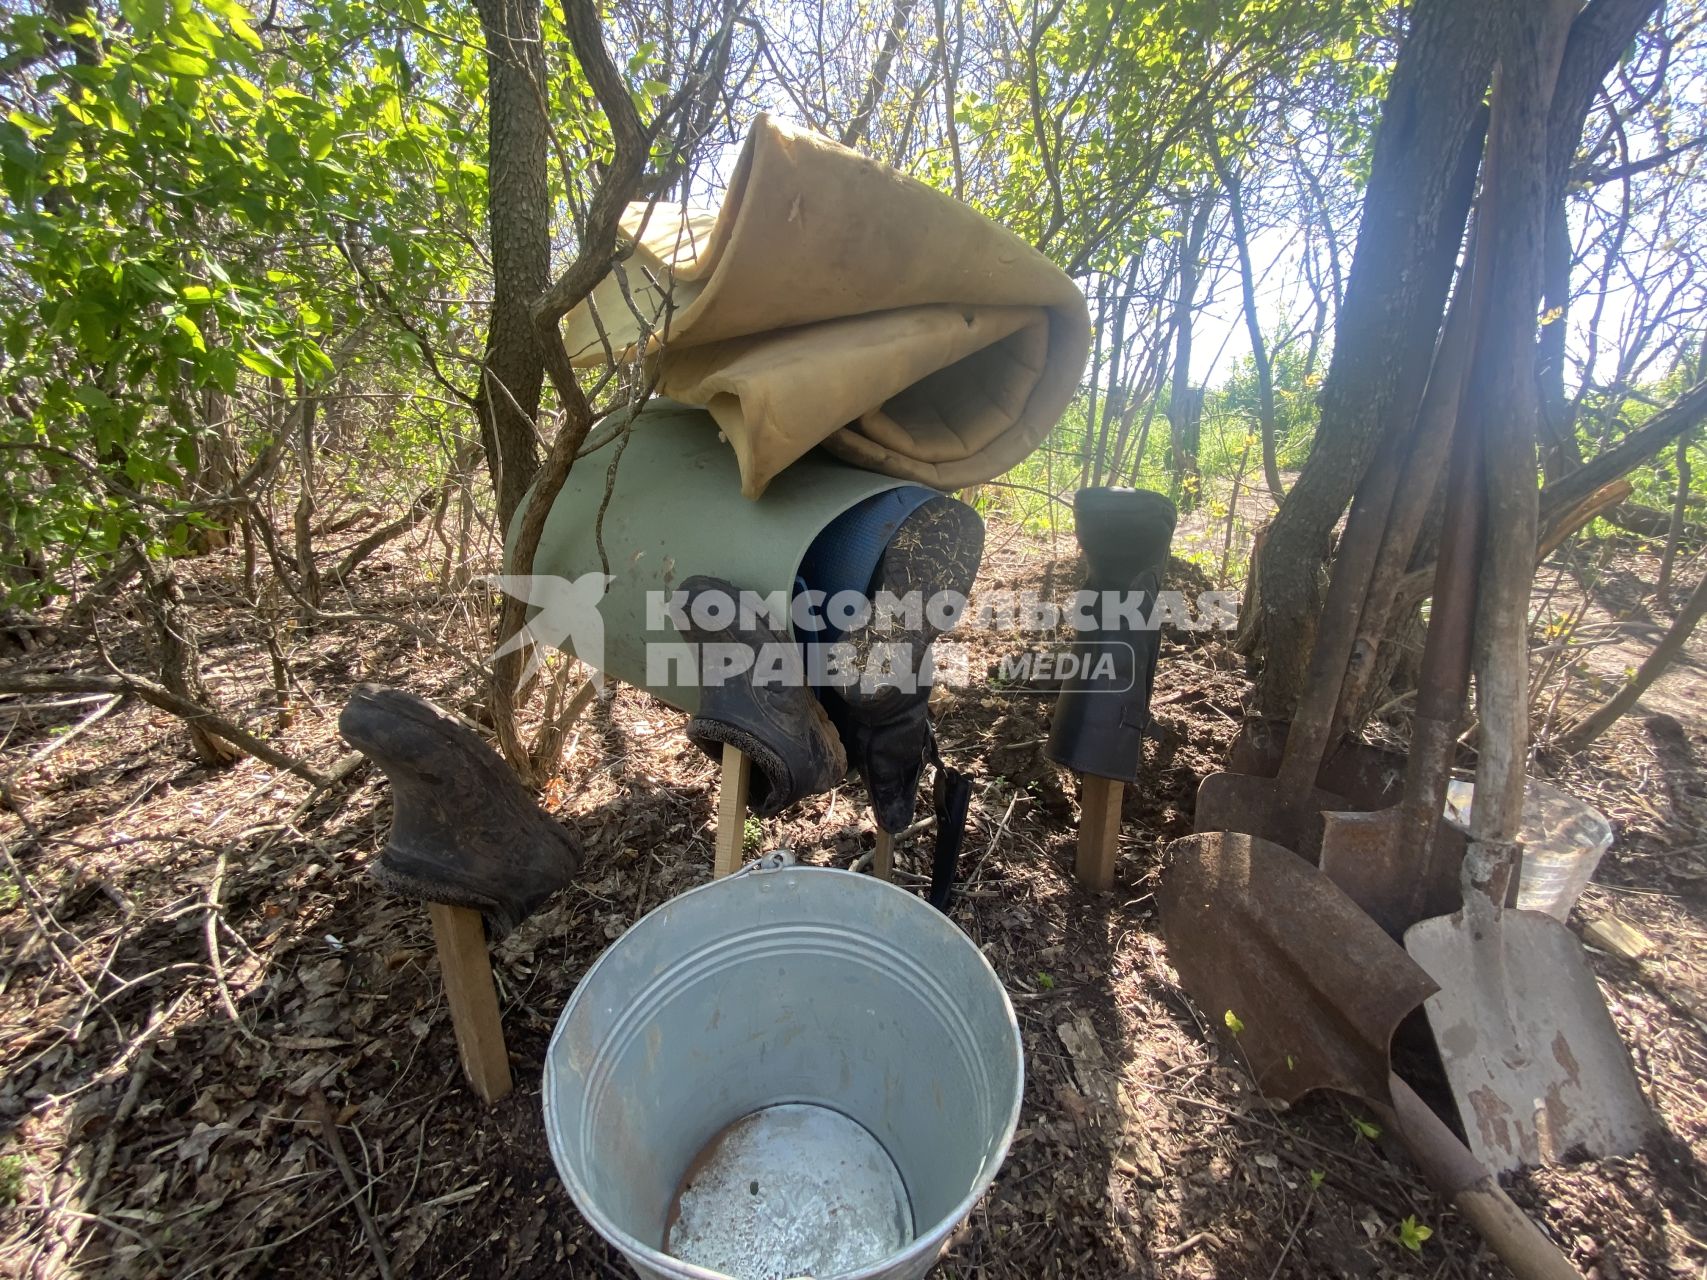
<point>467,969</point>
<point>1099,831</point>
<point>732,811</point>
<point>883,857</point>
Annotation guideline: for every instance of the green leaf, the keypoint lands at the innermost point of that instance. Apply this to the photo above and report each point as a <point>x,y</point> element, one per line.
<point>320,141</point>
<point>196,293</point>
<point>145,16</point>
<point>262,360</point>
<point>243,31</point>
<point>221,366</point>
<point>1412,1233</point>
<point>180,63</point>
<point>188,328</point>
<point>150,277</point>
<point>1233,1023</point>
<point>314,363</point>
<point>31,126</point>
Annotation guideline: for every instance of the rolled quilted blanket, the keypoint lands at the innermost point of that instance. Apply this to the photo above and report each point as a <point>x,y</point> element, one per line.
<point>831,300</point>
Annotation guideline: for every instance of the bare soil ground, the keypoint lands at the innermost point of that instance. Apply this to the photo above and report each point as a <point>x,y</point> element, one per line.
<point>190,959</point>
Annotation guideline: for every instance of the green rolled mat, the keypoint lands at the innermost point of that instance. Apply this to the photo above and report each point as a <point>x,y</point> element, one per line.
<point>676,510</point>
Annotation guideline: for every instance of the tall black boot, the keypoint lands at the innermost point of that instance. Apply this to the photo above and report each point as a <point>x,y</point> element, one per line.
<point>766,710</point>
<point>1100,717</point>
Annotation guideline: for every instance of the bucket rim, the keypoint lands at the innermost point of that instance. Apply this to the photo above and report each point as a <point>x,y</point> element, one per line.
<point>657,1258</point>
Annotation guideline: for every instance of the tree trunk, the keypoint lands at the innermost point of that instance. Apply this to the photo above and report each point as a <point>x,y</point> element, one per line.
<point>1140,390</point>
<point>1120,375</point>
<point>1182,422</point>
<point>217,462</point>
<point>1662,589</point>
<point>1559,452</point>
<point>878,80</point>
<point>305,501</point>
<point>177,656</point>
<point>1099,327</point>
<point>598,229</point>
<point>1598,38</point>
<point>1253,323</point>
<point>1420,186</point>
<point>951,89</point>
<point>519,220</point>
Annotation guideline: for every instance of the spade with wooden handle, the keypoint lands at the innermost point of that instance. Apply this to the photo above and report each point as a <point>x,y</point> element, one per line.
<point>1525,1039</point>
<point>1265,943</point>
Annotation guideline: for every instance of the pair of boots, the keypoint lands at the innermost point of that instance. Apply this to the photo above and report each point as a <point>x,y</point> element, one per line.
<point>878,723</point>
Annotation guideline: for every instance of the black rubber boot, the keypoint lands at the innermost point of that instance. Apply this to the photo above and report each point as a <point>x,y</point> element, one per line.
<point>767,711</point>
<point>888,751</point>
<point>885,722</point>
<point>464,830</point>
<point>1100,718</point>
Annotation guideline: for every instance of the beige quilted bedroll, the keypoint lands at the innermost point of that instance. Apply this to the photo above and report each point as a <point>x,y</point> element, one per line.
<point>833,301</point>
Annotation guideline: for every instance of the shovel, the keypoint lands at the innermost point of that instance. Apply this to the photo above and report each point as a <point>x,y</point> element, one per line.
<point>1401,864</point>
<point>1526,1042</point>
<point>1524,1036</point>
<point>1287,808</point>
<point>1370,777</point>
<point>1431,452</point>
<point>1265,943</point>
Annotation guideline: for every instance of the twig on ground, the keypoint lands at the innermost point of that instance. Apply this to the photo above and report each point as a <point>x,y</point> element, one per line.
<point>329,1127</point>
<point>65,1251</point>
<point>70,735</point>
<point>156,695</point>
<point>210,931</point>
<point>1188,1244</point>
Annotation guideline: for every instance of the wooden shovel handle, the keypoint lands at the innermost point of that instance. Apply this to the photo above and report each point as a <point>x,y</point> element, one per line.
<point>1458,1175</point>
<point>1446,654</point>
<point>1445,675</point>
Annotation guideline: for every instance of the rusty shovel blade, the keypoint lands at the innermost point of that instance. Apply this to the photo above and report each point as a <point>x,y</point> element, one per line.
<point>1269,948</point>
<point>1368,776</point>
<point>1369,856</point>
<point>1266,808</point>
<point>1528,1045</point>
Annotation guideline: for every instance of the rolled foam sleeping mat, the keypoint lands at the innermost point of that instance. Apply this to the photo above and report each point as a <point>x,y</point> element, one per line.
<point>676,510</point>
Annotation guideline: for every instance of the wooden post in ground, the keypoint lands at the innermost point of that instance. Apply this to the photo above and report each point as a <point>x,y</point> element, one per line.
<point>883,857</point>
<point>732,811</point>
<point>1099,831</point>
<point>467,968</point>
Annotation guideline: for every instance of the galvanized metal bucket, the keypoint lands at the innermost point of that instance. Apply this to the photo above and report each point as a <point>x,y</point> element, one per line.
<point>785,1001</point>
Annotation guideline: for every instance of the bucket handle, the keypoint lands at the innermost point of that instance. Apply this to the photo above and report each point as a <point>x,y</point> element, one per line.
<point>775,860</point>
